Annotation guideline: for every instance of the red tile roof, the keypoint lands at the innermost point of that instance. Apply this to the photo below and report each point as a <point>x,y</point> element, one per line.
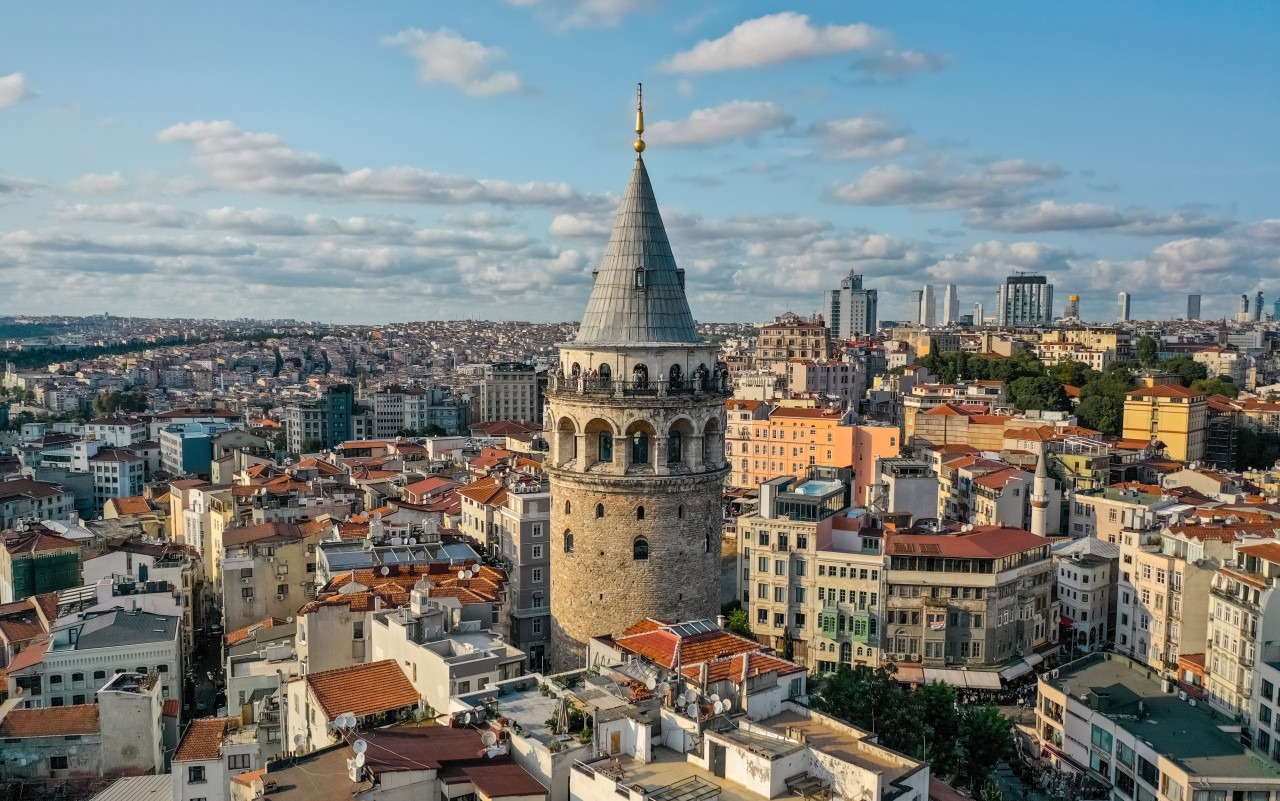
<point>363,689</point>
<point>982,542</point>
<point>203,740</point>
<point>1263,550</point>
<point>51,721</point>
<point>171,708</point>
<point>242,634</point>
<point>136,505</point>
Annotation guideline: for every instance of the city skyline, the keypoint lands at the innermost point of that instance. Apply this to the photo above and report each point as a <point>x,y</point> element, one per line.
<point>307,174</point>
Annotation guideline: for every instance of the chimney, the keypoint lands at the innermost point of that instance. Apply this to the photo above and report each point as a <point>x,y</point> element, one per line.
<point>704,672</point>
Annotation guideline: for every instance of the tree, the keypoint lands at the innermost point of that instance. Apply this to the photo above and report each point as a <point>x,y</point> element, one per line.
<point>1101,413</point>
<point>941,718</point>
<point>280,441</point>
<point>986,737</point>
<point>1040,392</point>
<point>739,623</point>
<point>1073,373</point>
<point>788,645</point>
<point>1256,448</point>
<point>1148,351</point>
<point>1216,386</point>
<point>311,445</point>
<point>1185,368</point>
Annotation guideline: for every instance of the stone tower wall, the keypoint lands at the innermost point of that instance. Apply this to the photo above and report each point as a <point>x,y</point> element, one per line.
<point>600,588</point>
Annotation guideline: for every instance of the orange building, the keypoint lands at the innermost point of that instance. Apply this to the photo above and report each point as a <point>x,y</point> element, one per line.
<point>763,443</point>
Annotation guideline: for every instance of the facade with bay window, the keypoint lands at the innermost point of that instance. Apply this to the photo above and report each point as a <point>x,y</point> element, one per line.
<point>813,569</point>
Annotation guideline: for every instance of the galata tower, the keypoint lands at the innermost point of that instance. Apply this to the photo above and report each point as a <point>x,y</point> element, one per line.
<point>635,418</point>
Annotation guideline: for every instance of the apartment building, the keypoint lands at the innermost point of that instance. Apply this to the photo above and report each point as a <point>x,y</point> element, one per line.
<point>1117,720</point>
<point>1244,627</point>
<point>1086,592</point>
<point>812,572</point>
<point>524,547</point>
<point>25,499</point>
<point>509,391</point>
<point>791,337</point>
<point>976,596</point>
<point>117,473</point>
<point>845,380</point>
<point>1174,415</point>
<point>267,570</point>
<point>767,443</point>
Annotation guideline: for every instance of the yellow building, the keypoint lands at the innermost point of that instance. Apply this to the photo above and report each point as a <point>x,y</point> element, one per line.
<point>1174,415</point>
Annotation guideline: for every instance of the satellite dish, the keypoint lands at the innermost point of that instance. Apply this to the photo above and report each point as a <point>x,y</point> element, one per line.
<point>650,683</point>
<point>719,706</point>
<point>359,760</point>
<point>297,739</point>
<point>288,619</point>
<point>466,718</point>
<point>692,711</point>
<point>662,688</point>
<point>359,746</point>
<point>386,571</point>
<point>714,698</point>
<point>462,574</point>
<point>690,695</point>
<point>488,738</point>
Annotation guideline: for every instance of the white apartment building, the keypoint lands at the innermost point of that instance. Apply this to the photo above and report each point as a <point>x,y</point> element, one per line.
<point>1086,590</point>
<point>117,473</point>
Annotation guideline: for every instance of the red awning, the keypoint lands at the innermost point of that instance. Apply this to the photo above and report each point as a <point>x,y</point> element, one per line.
<point>1068,622</point>
<point>1066,758</point>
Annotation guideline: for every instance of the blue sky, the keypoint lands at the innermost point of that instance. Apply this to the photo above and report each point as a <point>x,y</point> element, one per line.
<point>396,161</point>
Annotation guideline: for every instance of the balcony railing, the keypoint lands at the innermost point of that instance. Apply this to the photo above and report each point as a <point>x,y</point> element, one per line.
<point>639,387</point>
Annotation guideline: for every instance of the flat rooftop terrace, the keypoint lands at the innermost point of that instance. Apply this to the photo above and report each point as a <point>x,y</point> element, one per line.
<point>668,768</point>
<point>1189,735</point>
<point>843,745</point>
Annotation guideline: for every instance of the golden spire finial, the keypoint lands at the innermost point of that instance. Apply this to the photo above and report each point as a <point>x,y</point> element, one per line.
<point>639,145</point>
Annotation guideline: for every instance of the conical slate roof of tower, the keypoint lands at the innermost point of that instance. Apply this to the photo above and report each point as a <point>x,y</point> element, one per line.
<point>638,295</point>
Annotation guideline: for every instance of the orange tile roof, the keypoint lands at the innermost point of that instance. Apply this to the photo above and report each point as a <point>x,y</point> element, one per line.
<point>730,668</point>
<point>362,689</point>
<point>982,542</point>
<point>51,721</point>
<point>486,491</point>
<point>1164,391</point>
<point>247,779</point>
<point>1263,550</point>
<point>665,647</point>
<point>171,708</point>
<point>242,634</point>
<point>135,505</point>
<point>33,654</point>
<point>203,740</point>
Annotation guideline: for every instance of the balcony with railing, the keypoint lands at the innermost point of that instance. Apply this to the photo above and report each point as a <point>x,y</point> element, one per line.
<point>639,387</point>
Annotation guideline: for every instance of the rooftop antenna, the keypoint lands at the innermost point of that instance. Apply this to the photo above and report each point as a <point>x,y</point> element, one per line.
<point>639,144</point>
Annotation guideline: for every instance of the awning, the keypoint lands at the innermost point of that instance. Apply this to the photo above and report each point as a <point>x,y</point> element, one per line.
<point>953,677</point>
<point>1071,762</point>
<point>1067,622</point>
<point>910,674</point>
<point>1020,669</point>
<point>982,680</point>
<point>1034,660</point>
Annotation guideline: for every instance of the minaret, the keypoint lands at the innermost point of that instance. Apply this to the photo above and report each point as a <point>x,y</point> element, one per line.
<point>635,418</point>
<point>1040,499</point>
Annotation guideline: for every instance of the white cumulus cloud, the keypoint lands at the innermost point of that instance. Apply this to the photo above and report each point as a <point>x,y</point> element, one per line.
<point>859,138</point>
<point>444,57</point>
<point>1000,183</point>
<point>1049,215</point>
<point>96,183</point>
<point>773,39</point>
<point>733,120</point>
<point>13,89</point>
<point>233,158</point>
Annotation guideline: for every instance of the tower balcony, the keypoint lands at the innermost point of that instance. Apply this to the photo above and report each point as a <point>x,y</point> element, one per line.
<point>563,385</point>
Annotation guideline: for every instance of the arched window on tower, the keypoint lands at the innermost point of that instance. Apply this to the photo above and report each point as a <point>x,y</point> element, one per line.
<point>675,376</point>
<point>568,541</point>
<point>606,375</point>
<point>639,448</point>
<point>640,549</point>
<point>605,449</point>
<point>568,507</point>
<point>680,512</point>
<point>707,544</point>
<point>639,513</point>
<point>599,510</point>
<point>675,447</point>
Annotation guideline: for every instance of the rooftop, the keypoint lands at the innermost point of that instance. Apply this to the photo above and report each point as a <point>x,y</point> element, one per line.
<point>52,721</point>
<point>1188,735</point>
<point>203,740</point>
<point>363,689</point>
